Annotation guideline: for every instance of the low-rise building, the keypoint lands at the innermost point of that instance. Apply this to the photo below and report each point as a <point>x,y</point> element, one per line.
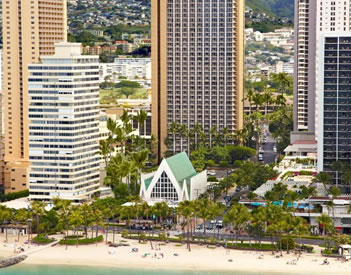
<point>175,181</point>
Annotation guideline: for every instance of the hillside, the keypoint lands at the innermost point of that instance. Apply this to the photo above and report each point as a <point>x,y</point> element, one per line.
<point>276,8</point>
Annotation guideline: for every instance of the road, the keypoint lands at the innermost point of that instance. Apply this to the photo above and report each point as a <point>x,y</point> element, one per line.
<point>268,154</point>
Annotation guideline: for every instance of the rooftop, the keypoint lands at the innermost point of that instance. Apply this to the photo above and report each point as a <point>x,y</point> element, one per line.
<point>181,167</point>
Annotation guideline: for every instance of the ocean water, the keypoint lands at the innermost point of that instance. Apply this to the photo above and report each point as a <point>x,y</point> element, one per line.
<point>72,270</point>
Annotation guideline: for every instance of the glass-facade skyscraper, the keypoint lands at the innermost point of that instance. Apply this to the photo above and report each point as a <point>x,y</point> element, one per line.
<point>334,91</point>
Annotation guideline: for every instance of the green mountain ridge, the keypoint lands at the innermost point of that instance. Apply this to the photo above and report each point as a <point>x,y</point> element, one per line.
<point>276,8</point>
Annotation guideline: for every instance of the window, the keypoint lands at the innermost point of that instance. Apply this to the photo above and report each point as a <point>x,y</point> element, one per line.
<point>164,189</point>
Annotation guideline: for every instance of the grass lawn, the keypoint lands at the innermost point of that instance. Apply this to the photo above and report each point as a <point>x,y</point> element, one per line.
<point>110,96</point>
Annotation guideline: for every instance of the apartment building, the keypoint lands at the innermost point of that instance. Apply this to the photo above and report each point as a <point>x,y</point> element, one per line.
<point>312,18</point>
<point>334,95</point>
<point>133,67</point>
<point>30,29</point>
<point>64,125</point>
<point>197,66</point>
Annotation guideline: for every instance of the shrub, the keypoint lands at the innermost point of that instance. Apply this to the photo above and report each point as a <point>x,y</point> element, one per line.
<point>82,241</point>
<point>162,236</point>
<point>237,163</point>
<point>287,243</point>
<point>124,233</point>
<point>211,163</point>
<point>224,163</point>
<point>212,179</point>
<point>307,248</point>
<point>142,236</point>
<point>305,173</point>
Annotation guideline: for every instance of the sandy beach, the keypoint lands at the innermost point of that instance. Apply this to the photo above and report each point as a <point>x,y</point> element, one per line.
<point>200,258</point>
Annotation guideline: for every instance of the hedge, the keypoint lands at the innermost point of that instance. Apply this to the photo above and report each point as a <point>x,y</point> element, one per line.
<point>42,240</point>
<point>14,196</point>
<point>262,246</point>
<point>82,241</point>
<point>73,237</point>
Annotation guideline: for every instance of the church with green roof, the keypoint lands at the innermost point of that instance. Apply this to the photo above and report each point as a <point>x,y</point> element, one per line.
<point>174,181</point>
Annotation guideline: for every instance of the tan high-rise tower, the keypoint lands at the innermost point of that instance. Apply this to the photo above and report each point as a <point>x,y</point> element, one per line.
<point>198,64</point>
<point>30,29</point>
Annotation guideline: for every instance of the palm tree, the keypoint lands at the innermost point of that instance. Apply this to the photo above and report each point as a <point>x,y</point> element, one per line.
<point>326,223</point>
<point>258,221</point>
<point>105,150</point>
<point>324,178</point>
<point>127,169</point>
<point>153,142</point>
<point>308,193</point>
<point>216,210</point>
<point>21,216</point>
<point>97,217</point>
<point>267,99</point>
<point>249,96</point>
<point>139,159</point>
<point>184,134</point>
<point>38,210</point>
<point>161,211</point>
<point>64,211</point>
<point>337,166</point>
<point>203,211</point>
<point>200,137</point>
<point>111,125</point>
<point>141,118</point>
<point>76,220</point>
<point>226,135</point>
<point>334,192</point>
<point>5,217</point>
<point>280,100</point>
<point>125,118</point>
<point>257,100</point>
<point>186,210</point>
<point>299,226</point>
<point>347,178</point>
<point>173,130</point>
<point>273,214</point>
<point>213,136</point>
<point>283,82</point>
<point>87,221</point>
<point>121,137</point>
<point>237,217</point>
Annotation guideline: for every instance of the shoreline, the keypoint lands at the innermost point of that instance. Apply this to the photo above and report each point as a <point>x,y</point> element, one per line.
<point>199,259</point>
<point>185,269</point>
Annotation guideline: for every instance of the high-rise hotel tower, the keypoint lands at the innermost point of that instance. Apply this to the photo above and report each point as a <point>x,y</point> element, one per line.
<point>64,125</point>
<point>30,29</point>
<point>312,19</point>
<point>198,65</point>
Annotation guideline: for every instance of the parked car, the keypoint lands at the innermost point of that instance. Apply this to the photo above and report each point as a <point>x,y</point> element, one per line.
<point>260,157</point>
<point>209,226</point>
<point>211,173</point>
<point>219,224</point>
<point>199,227</point>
